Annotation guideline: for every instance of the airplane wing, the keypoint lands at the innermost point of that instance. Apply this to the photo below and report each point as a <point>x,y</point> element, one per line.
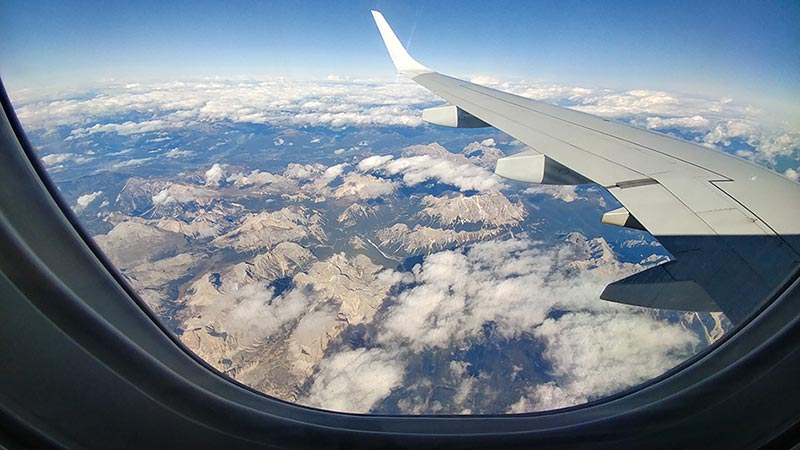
<point>732,227</point>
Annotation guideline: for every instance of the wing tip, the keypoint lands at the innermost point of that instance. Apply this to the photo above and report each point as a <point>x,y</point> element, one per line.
<point>403,62</point>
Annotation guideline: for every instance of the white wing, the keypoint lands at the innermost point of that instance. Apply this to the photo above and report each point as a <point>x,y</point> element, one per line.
<point>733,227</point>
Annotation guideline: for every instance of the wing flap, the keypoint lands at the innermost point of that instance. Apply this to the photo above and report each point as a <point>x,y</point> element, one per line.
<point>657,288</point>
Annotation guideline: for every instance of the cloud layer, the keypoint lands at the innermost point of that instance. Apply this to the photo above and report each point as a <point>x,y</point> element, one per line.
<point>593,348</point>
<point>337,104</point>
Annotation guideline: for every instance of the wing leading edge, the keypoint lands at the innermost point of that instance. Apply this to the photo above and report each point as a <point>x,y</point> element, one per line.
<point>733,227</point>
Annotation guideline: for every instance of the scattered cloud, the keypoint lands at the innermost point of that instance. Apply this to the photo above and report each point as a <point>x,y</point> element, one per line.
<point>695,122</point>
<point>594,355</point>
<point>340,103</point>
<point>303,171</point>
<point>373,162</point>
<point>593,348</point>
<point>130,163</point>
<point>259,313</point>
<point>484,80</point>
<point>128,128</point>
<point>55,159</point>
<point>567,194</point>
<point>183,193</point>
<point>333,172</point>
<point>274,101</point>
<point>214,175</point>
<point>421,168</point>
<point>364,186</point>
<point>355,381</point>
<point>86,199</point>
<point>178,153</point>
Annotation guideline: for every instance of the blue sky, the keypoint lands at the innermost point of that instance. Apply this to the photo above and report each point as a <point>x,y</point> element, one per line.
<point>746,50</point>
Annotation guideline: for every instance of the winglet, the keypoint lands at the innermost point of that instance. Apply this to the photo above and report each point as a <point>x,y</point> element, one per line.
<point>404,63</point>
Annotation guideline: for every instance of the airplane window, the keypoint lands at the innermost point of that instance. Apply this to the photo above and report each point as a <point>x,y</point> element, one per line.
<point>307,234</point>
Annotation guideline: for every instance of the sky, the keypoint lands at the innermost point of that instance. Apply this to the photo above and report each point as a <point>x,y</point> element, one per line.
<point>745,50</point>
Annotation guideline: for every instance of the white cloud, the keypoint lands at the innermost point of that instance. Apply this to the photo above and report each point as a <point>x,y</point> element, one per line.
<point>349,103</point>
<point>364,186</point>
<point>333,172</point>
<point>303,171</point>
<point>567,194</point>
<point>421,168</point>
<point>693,122</point>
<point>484,80</point>
<point>792,174</point>
<point>55,159</point>
<point>456,293</point>
<point>355,381</point>
<point>275,101</point>
<point>596,355</point>
<point>183,193</point>
<point>163,198</point>
<point>214,175</point>
<point>86,199</point>
<point>127,128</point>
<point>595,349</point>
<point>259,313</point>
<point>372,162</point>
<point>178,153</point>
<point>130,163</point>
<point>488,142</point>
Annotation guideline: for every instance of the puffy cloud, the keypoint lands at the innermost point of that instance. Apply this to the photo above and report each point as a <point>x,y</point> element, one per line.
<point>214,175</point>
<point>130,163</point>
<point>333,172</point>
<point>303,171</point>
<point>484,80</point>
<point>86,199</point>
<point>355,381</point>
<point>182,193</point>
<point>567,194</point>
<point>693,122</point>
<point>275,101</point>
<point>345,103</point>
<point>373,162</point>
<point>178,153</point>
<point>457,292</point>
<point>594,355</point>
<point>792,174</point>
<point>421,168</point>
<point>163,198</point>
<point>259,313</point>
<point>242,180</point>
<point>55,159</point>
<point>364,186</point>
<point>595,348</point>
<point>127,128</point>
